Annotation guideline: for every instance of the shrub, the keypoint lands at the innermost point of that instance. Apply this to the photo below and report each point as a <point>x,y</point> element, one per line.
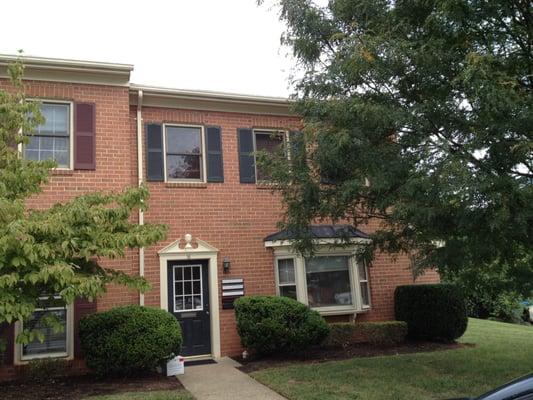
<point>387,333</point>
<point>434,312</point>
<point>277,324</point>
<point>129,339</point>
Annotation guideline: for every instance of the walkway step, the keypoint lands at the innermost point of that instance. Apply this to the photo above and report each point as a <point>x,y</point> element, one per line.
<point>224,381</point>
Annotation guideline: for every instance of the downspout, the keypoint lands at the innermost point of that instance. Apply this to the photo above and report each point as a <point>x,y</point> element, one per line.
<point>140,179</point>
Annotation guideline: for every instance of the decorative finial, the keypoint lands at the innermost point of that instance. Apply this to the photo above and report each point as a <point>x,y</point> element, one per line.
<point>188,241</point>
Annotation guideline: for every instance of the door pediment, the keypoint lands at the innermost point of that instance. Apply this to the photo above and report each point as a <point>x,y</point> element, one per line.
<point>187,246</point>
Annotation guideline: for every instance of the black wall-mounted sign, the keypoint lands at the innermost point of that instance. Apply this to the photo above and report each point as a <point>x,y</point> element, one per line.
<point>231,289</point>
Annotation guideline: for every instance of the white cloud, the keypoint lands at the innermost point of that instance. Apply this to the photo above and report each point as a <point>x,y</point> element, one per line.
<point>225,45</point>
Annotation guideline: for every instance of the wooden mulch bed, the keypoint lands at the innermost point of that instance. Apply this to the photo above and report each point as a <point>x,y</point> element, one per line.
<point>321,354</point>
<point>78,387</point>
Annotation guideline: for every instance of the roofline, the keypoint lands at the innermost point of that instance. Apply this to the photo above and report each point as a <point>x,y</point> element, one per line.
<point>210,100</point>
<point>114,74</point>
<point>70,71</point>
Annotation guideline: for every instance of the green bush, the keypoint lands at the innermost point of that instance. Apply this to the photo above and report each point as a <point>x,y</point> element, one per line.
<point>130,339</point>
<point>386,333</point>
<point>433,312</point>
<point>277,324</point>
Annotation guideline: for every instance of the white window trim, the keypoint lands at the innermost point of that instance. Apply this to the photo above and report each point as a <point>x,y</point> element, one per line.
<point>20,359</point>
<point>203,156</point>
<point>284,252</point>
<point>285,140</point>
<point>201,287</point>
<point>71,131</point>
<point>278,283</point>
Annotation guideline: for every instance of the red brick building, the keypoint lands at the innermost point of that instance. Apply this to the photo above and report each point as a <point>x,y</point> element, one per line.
<point>194,150</point>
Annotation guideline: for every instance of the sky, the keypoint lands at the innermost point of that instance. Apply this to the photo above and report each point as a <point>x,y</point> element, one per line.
<point>221,45</point>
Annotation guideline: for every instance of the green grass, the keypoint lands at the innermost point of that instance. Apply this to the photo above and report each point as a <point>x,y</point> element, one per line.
<point>502,352</point>
<point>155,395</point>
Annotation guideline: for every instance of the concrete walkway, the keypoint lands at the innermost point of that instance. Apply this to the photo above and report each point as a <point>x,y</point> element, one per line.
<point>224,381</point>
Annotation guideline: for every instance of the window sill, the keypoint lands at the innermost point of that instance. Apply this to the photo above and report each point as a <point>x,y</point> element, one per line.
<point>197,185</point>
<point>62,172</point>
<point>336,310</point>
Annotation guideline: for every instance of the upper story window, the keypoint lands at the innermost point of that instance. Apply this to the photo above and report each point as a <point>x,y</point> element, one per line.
<point>184,153</point>
<point>52,139</point>
<point>268,141</point>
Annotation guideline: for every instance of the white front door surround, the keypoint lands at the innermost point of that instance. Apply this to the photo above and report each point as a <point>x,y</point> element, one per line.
<point>183,250</point>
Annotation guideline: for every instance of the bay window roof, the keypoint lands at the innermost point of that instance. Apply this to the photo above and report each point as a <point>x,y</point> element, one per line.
<point>343,231</point>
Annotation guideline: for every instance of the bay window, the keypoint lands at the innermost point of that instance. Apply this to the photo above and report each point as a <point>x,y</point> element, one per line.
<point>331,282</point>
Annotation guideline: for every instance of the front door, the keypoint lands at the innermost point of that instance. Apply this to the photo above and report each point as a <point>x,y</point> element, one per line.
<point>188,300</point>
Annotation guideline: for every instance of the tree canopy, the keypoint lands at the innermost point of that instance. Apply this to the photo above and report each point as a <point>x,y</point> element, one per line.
<point>418,114</point>
<point>57,250</point>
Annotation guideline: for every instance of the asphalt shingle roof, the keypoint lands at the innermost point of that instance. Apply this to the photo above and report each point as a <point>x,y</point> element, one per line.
<point>322,232</point>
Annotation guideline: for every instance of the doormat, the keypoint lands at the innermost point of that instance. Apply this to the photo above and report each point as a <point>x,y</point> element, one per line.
<point>199,362</point>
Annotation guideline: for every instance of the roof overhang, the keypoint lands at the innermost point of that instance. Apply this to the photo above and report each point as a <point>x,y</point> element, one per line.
<point>321,242</point>
<point>211,101</point>
<point>70,71</point>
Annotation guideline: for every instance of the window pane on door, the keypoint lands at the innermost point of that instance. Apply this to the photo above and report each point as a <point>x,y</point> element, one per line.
<point>188,288</point>
<point>328,281</point>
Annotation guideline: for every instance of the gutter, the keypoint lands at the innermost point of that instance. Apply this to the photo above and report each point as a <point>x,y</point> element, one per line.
<point>140,180</point>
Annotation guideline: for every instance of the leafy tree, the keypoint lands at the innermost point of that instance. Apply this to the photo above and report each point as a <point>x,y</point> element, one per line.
<point>418,114</point>
<point>55,251</point>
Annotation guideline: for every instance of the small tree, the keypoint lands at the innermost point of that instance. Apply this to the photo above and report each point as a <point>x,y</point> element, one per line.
<point>55,251</point>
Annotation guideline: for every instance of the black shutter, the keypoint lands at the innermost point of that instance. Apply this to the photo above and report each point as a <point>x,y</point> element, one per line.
<point>154,153</point>
<point>246,156</point>
<point>215,165</point>
<point>84,136</point>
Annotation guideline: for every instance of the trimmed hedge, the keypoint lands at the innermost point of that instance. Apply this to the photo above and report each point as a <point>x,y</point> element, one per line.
<point>434,312</point>
<point>130,339</point>
<point>386,333</point>
<point>268,324</point>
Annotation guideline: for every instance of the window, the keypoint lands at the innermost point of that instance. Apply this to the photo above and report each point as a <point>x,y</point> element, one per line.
<point>267,141</point>
<point>363,283</point>
<point>184,153</point>
<point>328,281</point>
<point>52,139</point>
<point>188,294</point>
<point>286,278</point>
<point>56,343</point>
<point>333,281</point>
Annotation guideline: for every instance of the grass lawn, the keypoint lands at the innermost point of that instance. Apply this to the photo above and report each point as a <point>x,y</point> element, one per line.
<point>502,352</point>
<point>155,395</point>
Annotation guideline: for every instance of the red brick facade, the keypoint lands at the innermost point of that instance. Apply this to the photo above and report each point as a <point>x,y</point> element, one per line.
<point>231,216</point>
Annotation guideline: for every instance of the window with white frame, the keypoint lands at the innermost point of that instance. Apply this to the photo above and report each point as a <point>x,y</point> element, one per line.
<point>286,278</point>
<point>268,141</point>
<point>184,153</point>
<point>52,140</point>
<point>55,337</point>
<point>363,283</point>
<point>328,282</point>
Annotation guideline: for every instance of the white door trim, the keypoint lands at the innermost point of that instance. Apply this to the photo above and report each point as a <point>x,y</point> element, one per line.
<point>200,250</point>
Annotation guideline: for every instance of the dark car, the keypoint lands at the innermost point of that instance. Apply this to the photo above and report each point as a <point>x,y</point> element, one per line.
<point>519,389</point>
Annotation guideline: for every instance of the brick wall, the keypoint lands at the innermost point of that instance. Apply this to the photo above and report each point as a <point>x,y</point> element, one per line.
<point>230,216</point>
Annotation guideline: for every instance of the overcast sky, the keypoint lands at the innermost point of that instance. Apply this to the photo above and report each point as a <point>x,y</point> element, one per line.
<point>222,45</point>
